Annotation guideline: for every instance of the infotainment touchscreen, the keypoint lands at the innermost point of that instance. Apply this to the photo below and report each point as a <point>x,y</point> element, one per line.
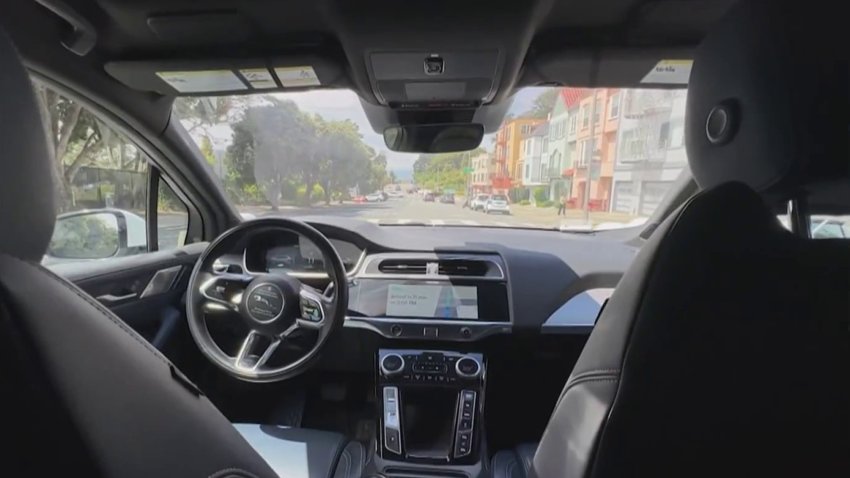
<point>422,299</point>
<point>442,301</point>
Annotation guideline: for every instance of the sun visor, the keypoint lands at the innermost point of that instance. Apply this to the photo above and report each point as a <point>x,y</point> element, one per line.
<point>222,77</point>
<point>619,68</point>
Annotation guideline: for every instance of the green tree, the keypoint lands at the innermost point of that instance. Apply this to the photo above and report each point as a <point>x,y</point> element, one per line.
<point>79,139</point>
<point>543,104</point>
<point>207,151</point>
<point>443,171</point>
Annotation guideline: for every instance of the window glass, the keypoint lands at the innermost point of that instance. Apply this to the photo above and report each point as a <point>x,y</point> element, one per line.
<point>314,152</point>
<point>824,227</point>
<point>101,181</point>
<point>172,219</point>
<point>615,107</point>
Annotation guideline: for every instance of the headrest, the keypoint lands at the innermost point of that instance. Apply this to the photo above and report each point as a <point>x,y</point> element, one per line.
<point>767,98</point>
<point>27,207</point>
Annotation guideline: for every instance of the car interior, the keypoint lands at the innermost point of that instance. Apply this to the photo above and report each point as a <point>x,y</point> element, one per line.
<point>718,346</point>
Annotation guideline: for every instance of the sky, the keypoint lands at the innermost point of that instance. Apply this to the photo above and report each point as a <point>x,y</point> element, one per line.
<point>344,104</point>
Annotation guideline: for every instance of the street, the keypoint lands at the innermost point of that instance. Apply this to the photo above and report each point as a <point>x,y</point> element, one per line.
<point>412,210</point>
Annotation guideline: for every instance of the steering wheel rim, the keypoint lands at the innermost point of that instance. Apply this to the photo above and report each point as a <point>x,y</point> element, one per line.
<point>273,306</point>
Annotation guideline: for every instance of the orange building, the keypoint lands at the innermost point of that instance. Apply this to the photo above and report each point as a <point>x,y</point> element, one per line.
<point>508,152</point>
<point>600,150</point>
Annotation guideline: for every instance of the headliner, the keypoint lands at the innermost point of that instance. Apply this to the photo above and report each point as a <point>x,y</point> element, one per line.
<point>541,42</point>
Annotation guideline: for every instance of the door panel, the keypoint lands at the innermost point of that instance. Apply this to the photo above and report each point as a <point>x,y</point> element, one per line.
<point>145,290</point>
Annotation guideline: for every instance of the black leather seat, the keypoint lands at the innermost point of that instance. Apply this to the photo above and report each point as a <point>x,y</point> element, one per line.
<point>83,394</point>
<point>724,349</point>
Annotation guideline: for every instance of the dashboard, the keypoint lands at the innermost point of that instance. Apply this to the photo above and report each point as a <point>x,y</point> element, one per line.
<point>453,283</point>
<point>285,252</point>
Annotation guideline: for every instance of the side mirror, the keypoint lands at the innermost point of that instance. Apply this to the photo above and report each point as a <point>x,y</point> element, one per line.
<point>98,234</point>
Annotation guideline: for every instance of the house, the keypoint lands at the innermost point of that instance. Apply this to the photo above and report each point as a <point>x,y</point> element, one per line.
<point>562,141</point>
<point>534,146</point>
<point>596,149</point>
<point>482,167</point>
<point>507,155</point>
<point>651,152</point>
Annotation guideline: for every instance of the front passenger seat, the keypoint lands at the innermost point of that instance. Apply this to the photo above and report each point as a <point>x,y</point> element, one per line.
<point>724,349</point>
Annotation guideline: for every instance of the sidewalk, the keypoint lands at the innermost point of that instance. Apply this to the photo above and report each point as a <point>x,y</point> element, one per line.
<point>571,216</point>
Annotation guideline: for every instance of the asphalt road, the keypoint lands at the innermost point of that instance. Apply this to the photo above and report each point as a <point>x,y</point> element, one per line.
<point>412,210</point>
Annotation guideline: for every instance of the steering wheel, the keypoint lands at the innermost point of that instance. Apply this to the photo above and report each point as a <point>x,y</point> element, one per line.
<point>276,308</point>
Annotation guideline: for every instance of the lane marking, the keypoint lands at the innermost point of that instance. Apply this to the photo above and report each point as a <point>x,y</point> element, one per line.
<point>469,222</point>
<point>438,222</point>
<point>404,221</point>
<point>374,220</point>
<point>501,223</point>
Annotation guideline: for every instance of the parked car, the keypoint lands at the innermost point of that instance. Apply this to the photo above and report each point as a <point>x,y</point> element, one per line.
<point>376,197</point>
<point>428,197</point>
<point>477,203</point>
<point>395,194</point>
<point>359,199</point>
<point>447,199</point>
<point>497,203</point>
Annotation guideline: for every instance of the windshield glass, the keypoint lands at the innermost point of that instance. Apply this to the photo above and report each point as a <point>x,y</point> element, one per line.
<point>564,158</point>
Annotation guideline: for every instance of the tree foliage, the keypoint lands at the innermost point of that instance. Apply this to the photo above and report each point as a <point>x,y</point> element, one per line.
<point>78,139</point>
<point>543,104</point>
<point>444,170</point>
<point>283,153</point>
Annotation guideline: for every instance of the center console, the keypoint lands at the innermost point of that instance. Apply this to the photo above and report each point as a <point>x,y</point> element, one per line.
<point>431,406</point>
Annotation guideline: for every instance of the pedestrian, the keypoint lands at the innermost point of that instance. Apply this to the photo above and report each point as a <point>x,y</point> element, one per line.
<point>562,205</point>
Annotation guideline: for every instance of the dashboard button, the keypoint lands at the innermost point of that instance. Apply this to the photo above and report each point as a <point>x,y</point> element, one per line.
<point>396,330</point>
<point>392,440</point>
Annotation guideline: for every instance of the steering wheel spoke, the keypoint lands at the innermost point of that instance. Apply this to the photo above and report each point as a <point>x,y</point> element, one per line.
<point>314,305</point>
<point>223,291</point>
<point>255,351</point>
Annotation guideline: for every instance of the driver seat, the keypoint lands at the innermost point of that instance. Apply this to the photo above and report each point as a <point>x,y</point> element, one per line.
<point>84,395</point>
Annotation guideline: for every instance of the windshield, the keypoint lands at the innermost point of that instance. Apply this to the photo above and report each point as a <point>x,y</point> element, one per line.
<point>564,158</point>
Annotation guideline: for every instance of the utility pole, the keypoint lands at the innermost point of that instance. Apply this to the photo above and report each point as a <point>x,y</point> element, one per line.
<point>588,154</point>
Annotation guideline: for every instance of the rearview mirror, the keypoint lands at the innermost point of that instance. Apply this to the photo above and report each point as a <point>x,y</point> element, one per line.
<point>433,138</point>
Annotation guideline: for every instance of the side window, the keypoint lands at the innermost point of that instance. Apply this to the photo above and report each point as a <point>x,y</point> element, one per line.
<point>172,218</point>
<point>824,227</point>
<point>102,182</point>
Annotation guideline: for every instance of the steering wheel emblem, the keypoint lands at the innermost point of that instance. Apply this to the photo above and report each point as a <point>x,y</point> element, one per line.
<point>265,302</point>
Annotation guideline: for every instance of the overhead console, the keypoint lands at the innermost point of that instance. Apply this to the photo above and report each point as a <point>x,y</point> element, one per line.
<point>434,79</point>
<point>456,297</point>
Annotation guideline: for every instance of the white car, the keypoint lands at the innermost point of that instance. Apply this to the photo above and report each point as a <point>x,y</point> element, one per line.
<point>497,203</point>
<point>478,202</point>
<point>374,197</point>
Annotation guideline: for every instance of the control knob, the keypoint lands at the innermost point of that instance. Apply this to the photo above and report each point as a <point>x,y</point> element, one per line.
<point>468,367</point>
<point>392,364</point>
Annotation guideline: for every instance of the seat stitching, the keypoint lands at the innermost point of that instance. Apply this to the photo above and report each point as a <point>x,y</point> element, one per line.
<point>596,372</point>
<point>594,379</point>
<point>509,468</point>
<point>221,472</point>
<point>99,307</point>
<point>347,455</point>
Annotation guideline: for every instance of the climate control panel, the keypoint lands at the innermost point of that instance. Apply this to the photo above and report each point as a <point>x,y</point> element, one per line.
<point>431,405</point>
<point>430,367</point>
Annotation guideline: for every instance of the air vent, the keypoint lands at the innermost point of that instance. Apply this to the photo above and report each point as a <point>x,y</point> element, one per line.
<point>403,266</point>
<point>464,267</point>
<point>444,267</point>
